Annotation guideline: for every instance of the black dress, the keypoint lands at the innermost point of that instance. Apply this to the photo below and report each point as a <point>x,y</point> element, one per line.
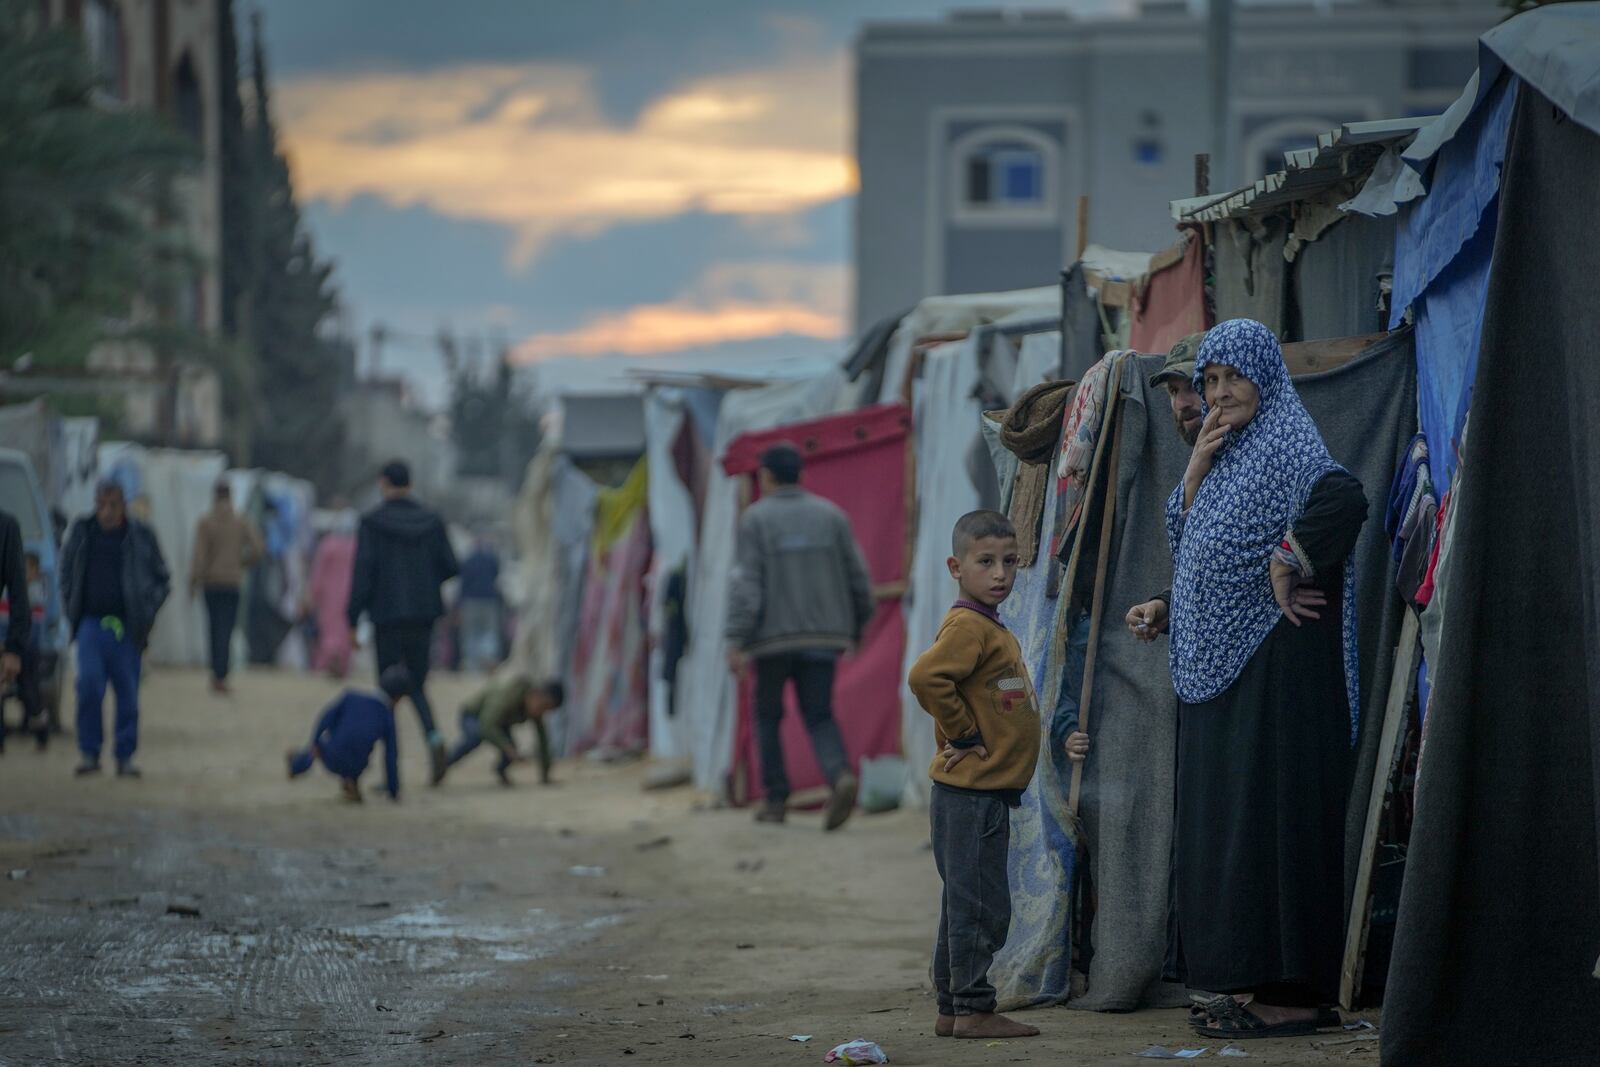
<point>1263,777</point>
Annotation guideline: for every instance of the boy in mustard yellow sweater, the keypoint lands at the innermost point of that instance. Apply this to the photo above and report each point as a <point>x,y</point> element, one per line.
<point>974,683</point>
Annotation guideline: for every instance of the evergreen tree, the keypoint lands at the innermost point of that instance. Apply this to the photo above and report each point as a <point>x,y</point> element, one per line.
<point>300,366</point>
<point>86,232</point>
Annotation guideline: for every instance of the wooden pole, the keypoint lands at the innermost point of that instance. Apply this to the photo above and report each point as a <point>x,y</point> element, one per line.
<point>1083,226</point>
<point>1394,713</point>
<point>1108,511</point>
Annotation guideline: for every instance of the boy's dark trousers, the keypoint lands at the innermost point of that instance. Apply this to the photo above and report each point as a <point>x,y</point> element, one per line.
<point>222,614</point>
<point>813,684</point>
<point>471,738</point>
<point>971,835</point>
<point>410,643</point>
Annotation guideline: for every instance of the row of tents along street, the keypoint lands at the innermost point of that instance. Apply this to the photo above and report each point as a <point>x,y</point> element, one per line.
<point>1411,267</point>
<point>170,489</point>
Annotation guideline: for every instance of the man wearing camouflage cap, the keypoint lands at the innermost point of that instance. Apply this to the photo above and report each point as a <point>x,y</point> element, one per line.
<point>1178,375</point>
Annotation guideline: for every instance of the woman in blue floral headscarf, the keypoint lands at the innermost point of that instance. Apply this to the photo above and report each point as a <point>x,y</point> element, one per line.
<point>1263,661</point>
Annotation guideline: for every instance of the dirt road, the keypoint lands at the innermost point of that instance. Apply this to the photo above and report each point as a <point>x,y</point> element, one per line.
<point>217,913</point>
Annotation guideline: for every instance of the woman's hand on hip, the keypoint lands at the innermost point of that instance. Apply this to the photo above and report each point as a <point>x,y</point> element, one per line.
<point>1296,601</point>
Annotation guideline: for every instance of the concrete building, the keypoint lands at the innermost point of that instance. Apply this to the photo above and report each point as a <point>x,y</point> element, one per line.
<point>977,134</point>
<point>161,56</point>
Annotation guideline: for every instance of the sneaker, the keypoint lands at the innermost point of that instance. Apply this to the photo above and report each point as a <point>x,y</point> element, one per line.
<point>87,767</point>
<point>842,803</point>
<point>439,761</point>
<point>504,776</point>
<point>126,769</point>
<point>771,812</point>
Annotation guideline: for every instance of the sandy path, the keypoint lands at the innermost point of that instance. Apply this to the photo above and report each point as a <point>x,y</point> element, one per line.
<point>216,913</point>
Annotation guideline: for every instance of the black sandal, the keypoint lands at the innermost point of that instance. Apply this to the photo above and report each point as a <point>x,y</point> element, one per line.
<point>1200,1013</point>
<point>1235,1022</point>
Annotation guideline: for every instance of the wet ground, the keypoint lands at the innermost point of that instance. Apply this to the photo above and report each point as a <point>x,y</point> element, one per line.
<point>217,913</point>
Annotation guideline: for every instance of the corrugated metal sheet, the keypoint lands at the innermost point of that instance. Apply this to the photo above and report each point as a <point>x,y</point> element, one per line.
<point>1340,155</point>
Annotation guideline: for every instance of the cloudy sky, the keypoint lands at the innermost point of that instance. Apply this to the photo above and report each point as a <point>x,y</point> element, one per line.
<point>581,177</point>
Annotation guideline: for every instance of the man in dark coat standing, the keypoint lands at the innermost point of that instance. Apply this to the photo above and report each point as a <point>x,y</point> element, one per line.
<point>403,556</point>
<point>113,581</point>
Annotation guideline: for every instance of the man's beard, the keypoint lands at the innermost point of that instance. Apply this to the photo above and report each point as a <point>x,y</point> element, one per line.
<point>1189,436</point>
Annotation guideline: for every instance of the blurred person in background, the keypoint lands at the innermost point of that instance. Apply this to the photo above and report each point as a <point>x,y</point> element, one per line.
<point>328,592</point>
<point>19,625</point>
<point>480,606</point>
<point>225,547</point>
<point>113,581</point>
<point>403,556</point>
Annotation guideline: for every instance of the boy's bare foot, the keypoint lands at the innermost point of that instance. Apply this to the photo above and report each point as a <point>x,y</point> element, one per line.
<point>350,790</point>
<point>991,1025</point>
<point>944,1026</point>
<point>770,812</point>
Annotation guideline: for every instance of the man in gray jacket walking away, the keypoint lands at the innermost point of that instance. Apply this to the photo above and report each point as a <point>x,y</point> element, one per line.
<point>800,598</point>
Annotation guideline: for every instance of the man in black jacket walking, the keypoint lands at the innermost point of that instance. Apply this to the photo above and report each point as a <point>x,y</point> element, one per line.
<point>403,556</point>
<point>113,581</point>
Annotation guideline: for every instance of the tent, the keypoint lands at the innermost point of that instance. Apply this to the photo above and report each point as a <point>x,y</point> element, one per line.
<point>858,461</point>
<point>706,698</point>
<point>1501,898</point>
<point>607,704</point>
<point>679,425</point>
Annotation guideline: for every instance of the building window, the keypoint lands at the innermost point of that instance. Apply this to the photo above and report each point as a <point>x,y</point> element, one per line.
<point>1004,173</point>
<point>107,45</point>
<point>188,109</point>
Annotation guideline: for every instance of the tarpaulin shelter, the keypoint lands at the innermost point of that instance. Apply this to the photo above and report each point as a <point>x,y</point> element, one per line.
<point>857,460</point>
<point>552,521</point>
<point>954,472</point>
<point>608,701</point>
<point>706,698</point>
<point>680,424</point>
<point>169,490</point>
<point>1501,901</point>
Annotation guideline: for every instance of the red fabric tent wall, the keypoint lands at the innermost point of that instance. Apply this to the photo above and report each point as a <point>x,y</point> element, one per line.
<point>858,461</point>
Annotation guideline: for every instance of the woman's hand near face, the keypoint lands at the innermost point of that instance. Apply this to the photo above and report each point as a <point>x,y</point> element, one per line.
<point>1213,431</point>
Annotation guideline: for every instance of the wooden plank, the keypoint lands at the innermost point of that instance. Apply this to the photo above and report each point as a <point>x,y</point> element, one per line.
<point>1394,713</point>
<point>1314,357</point>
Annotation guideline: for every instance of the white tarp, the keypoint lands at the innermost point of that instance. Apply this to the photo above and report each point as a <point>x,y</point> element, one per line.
<point>946,423</point>
<point>706,703</point>
<point>80,465</point>
<point>553,519</point>
<point>951,314</point>
<point>169,490</point>
<point>672,522</point>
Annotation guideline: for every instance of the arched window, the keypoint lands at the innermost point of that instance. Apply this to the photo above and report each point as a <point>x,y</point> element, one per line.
<point>1004,172</point>
<point>107,45</point>
<point>188,108</point>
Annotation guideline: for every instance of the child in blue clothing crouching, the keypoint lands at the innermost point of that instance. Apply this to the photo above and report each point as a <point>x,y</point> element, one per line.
<point>350,728</point>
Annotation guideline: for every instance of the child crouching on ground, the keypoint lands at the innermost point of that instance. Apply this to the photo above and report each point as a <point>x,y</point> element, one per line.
<point>349,728</point>
<point>491,714</point>
<point>975,684</point>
